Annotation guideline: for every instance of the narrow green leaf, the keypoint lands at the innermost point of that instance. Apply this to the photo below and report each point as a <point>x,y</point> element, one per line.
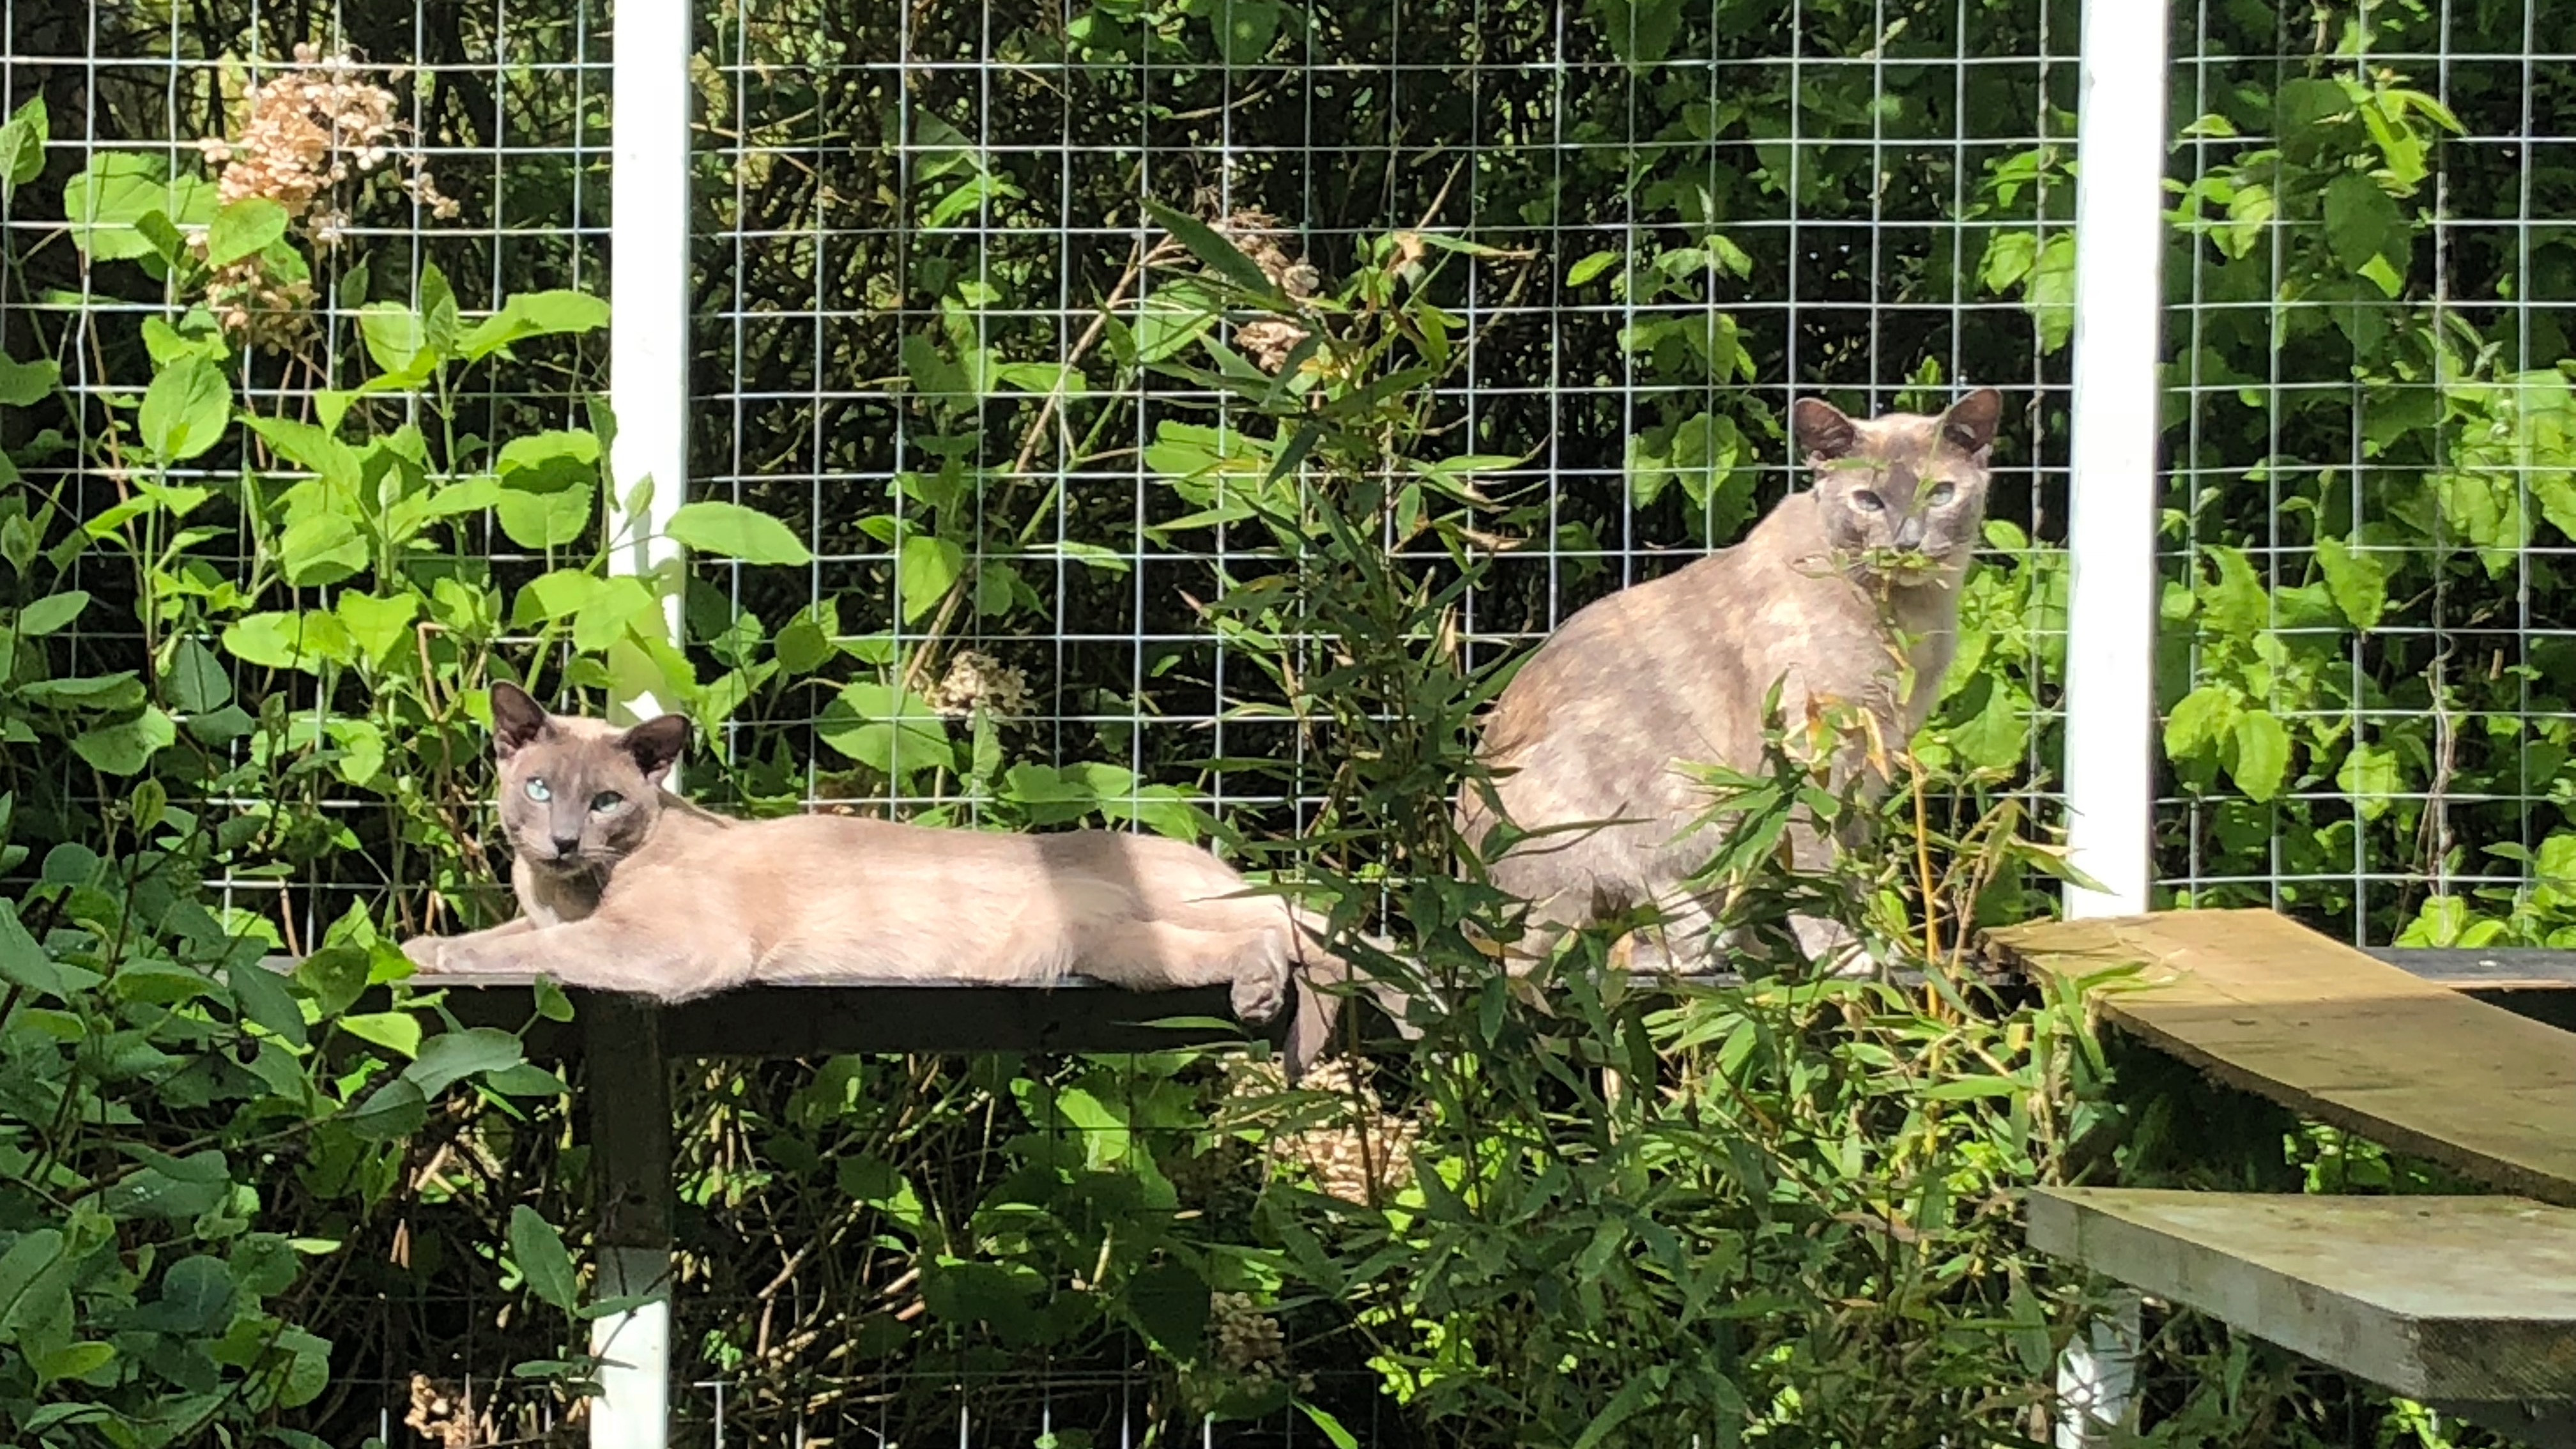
<point>539,1251</point>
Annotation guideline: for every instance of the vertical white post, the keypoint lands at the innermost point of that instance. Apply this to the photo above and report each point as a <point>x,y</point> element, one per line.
<point>2120,146</point>
<point>648,288</point>
<point>2120,149</point>
<point>648,390</point>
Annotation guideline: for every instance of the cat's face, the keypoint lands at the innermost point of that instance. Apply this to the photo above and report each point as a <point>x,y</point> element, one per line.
<point>1901,487</point>
<point>578,795</point>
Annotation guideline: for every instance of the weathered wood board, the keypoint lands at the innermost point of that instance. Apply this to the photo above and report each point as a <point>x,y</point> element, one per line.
<point>2272,1007</point>
<point>2462,1298</point>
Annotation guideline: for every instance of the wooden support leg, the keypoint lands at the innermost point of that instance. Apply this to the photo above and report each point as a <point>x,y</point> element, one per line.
<point>630,1135</point>
<point>2097,1376</point>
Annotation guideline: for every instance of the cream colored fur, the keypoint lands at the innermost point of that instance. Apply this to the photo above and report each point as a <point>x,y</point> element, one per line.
<point>628,888</point>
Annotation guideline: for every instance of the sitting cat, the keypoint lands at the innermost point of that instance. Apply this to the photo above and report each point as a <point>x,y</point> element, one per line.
<point>1825,596</point>
<point>625,887</point>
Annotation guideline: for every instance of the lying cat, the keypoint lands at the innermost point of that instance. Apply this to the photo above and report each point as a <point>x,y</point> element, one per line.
<point>625,887</point>
<point>1826,596</point>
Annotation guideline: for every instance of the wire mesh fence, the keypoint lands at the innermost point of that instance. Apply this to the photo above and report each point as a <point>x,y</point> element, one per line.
<point>936,329</point>
<point>2367,510</point>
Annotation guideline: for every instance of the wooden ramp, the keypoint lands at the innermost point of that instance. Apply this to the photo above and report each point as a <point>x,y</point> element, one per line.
<point>2447,1298</point>
<point>2274,1008</point>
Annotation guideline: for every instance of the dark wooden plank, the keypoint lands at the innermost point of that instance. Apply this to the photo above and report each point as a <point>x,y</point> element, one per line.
<point>2279,1010</point>
<point>2462,1298</point>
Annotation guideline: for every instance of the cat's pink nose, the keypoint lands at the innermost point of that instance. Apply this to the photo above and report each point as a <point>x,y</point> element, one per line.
<point>567,849</point>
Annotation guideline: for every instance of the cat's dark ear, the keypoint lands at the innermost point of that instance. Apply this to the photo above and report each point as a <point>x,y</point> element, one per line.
<point>1969,425</point>
<point>655,745</point>
<point>517,720</point>
<point>1823,433</point>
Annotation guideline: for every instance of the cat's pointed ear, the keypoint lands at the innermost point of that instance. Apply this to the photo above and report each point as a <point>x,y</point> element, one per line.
<point>518,721</point>
<point>655,745</point>
<point>1969,425</point>
<point>1823,433</point>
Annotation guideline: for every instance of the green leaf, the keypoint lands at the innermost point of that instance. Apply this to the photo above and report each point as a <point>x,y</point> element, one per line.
<point>1213,250</point>
<point>321,549</point>
<point>2201,719</point>
<point>262,997</point>
<point>106,202</point>
<point>2357,580</point>
<point>2372,778</point>
<point>894,732</point>
<point>395,1031</point>
<point>196,682</point>
<point>2363,223</point>
<point>24,384</point>
<point>22,146</point>
<point>539,1251</point>
<point>377,625</point>
<point>396,1109</point>
<point>1244,29</point>
<point>446,1059</point>
<point>1170,1303</point>
<point>533,314</point>
<point>1330,1427</point>
<point>289,641</point>
<point>1590,267</point>
<point>185,410</point>
<point>23,962</point>
<point>73,1360</point>
<point>1639,32</point>
<point>25,1281</point>
<point>196,1297</point>
<point>336,975</point>
<point>548,481</point>
<point>2262,754</point>
<point>730,530</point>
<point>394,336</point>
<point>243,228</point>
<point>929,567</point>
<point>552,1004</point>
<point>50,613</point>
<point>125,747</point>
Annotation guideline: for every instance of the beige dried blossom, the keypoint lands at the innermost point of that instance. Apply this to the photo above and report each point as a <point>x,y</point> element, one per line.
<point>309,138</point>
<point>1248,1340</point>
<point>444,1417</point>
<point>975,678</point>
<point>1363,1155</point>
<point>1269,340</point>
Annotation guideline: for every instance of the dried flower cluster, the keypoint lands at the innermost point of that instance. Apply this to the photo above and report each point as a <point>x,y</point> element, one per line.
<point>444,1417</point>
<point>1364,1156</point>
<point>976,678</point>
<point>1248,1341</point>
<point>308,138</point>
<point>1269,340</point>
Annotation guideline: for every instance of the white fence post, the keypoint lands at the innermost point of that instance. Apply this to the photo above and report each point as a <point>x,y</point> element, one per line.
<point>648,288</point>
<point>648,390</point>
<point>2120,147</point>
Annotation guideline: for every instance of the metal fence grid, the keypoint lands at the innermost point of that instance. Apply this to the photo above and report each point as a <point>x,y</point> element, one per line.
<point>969,177</point>
<point>2368,497</point>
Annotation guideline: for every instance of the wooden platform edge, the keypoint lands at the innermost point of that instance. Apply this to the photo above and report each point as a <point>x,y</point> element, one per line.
<point>2135,1010</point>
<point>2493,1359</point>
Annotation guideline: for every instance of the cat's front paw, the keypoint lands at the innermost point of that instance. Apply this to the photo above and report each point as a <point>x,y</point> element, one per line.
<point>425,952</point>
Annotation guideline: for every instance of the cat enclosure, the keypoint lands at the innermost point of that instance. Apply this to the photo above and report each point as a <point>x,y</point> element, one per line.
<point>913,314</point>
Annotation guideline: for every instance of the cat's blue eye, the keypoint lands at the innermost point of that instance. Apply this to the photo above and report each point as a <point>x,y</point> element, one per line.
<point>1943,494</point>
<point>538,792</point>
<point>606,800</point>
<point>1868,502</point>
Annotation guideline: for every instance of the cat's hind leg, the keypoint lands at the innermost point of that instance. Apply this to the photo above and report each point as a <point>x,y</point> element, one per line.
<point>1148,955</point>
